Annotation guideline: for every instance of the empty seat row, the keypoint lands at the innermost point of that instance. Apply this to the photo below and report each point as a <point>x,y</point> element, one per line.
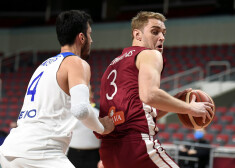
<point>217,140</point>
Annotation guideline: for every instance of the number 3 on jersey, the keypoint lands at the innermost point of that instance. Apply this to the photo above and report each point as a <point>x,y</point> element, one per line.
<point>34,84</point>
<point>113,84</point>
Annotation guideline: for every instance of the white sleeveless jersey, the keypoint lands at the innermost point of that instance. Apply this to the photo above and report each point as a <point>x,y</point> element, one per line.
<point>45,122</point>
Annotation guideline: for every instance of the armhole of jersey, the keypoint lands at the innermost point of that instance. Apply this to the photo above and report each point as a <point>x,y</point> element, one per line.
<point>137,56</point>
<point>64,56</point>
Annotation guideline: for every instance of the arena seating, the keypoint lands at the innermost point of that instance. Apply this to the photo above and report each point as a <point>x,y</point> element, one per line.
<point>164,137</point>
<point>220,111</point>
<point>229,129</point>
<point>161,126</point>
<point>215,128</point>
<point>172,127</point>
<point>209,137</point>
<point>221,139</point>
<point>14,84</point>
<point>226,120</point>
<point>231,141</point>
<point>189,137</point>
<point>177,137</point>
<point>184,129</point>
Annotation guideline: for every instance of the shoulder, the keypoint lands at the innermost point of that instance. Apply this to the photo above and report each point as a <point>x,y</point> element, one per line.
<point>77,70</point>
<point>149,51</point>
<point>149,56</point>
<point>76,62</point>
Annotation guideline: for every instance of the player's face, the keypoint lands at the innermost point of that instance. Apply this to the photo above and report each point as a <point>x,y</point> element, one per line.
<point>86,48</point>
<point>153,34</point>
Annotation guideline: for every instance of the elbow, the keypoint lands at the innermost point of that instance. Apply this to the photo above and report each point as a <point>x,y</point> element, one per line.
<point>150,97</point>
<point>147,97</point>
<point>80,111</point>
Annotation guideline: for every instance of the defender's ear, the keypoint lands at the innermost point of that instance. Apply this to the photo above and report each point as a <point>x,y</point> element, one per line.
<point>81,37</point>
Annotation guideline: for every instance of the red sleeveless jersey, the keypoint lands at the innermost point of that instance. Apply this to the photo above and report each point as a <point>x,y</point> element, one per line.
<point>119,95</point>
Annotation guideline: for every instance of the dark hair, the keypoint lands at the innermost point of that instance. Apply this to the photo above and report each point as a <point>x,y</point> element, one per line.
<point>69,24</point>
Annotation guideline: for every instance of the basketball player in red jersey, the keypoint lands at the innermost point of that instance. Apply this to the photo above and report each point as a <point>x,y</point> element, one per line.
<point>130,94</point>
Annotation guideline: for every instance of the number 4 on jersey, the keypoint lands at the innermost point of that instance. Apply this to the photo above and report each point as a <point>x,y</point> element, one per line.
<point>33,90</point>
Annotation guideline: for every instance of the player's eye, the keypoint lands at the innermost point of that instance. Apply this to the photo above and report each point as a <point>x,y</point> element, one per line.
<point>155,32</point>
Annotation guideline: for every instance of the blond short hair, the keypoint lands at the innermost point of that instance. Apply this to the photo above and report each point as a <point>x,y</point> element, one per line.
<point>141,19</point>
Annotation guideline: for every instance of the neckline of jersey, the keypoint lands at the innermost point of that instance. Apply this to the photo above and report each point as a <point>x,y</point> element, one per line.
<point>65,54</point>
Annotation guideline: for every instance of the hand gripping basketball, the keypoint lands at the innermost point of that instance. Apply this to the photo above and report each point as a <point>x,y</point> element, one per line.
<point>196,122</point>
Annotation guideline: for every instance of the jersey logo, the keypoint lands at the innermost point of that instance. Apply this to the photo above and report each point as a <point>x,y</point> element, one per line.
<point>117,117</point>
<point>51,60</point>
<point>130,53</point>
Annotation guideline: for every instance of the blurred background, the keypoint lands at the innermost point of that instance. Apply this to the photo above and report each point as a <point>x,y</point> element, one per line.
<point>199,48</point>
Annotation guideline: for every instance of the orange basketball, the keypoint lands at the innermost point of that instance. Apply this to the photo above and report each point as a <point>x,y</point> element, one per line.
<point>196,122</point>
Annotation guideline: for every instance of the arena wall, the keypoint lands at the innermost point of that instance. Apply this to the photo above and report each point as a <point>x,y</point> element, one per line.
<point>180,32</point>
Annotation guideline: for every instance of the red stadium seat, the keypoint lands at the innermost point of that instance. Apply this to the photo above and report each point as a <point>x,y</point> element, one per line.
<point>10,93</point>
<point>232,141</point>
<point>161,126</point>
<point>13,111</point>
<point>229,129</point>
<point>14,114</point>
<point>13,100</point>
<point>184,130</point>
<point>221,139</point>
<point>7,122</point>
<point>215,120</point>
<point>3,114</point>
<point>172,127</point>
<point>15,87</point>
<point>232,109</point>
<point>190,137</point>
<point>4,100</point>
<point>19,93</point>
<point>177,136</point>
<point>3,107</point>
<point>21,100</point>
<point>215,129</point>
<point>220,111</point>
<point>209,137</point>
<point>226,120</point>
<point>163,137</point>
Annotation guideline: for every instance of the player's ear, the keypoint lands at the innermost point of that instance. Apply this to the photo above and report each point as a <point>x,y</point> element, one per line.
<point>137,34</point>
<point>81,37</point>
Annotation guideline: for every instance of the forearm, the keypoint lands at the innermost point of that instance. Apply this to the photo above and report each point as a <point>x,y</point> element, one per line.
<point>165,102</point>
<point>93,122</point>
<point>82,110</point>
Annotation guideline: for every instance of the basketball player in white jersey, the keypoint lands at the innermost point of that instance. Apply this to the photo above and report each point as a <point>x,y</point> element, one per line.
<point>57,97</point>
